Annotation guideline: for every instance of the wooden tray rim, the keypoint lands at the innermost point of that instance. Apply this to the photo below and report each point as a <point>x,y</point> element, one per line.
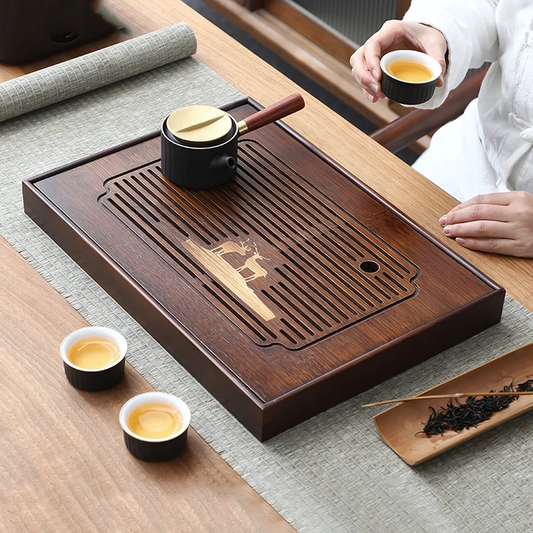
<point>265,409</point>
<point>31,183</point>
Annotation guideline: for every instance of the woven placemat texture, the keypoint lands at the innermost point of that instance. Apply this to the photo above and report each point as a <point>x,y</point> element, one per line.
<point>332,473</point>
<point>92,71</point>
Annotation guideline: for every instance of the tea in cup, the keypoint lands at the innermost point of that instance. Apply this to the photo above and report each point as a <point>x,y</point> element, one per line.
<point>94,358</point>
<point>409,70</point>
<point>409,77</point>
<point>155,425</point>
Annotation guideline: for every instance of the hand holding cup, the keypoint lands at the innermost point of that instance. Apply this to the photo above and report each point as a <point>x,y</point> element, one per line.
<point>395,35</point>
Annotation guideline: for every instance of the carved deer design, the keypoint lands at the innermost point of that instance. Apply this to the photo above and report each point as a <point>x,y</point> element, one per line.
<point>230,246</point>
<point>251,264</point>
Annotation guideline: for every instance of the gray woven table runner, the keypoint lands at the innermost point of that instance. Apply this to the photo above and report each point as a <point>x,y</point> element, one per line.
<point>332,473</point>
<point>95,70</point>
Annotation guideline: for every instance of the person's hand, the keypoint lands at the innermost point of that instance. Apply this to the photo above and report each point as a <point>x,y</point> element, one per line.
<point>395,35</point>
<point>501,223</point>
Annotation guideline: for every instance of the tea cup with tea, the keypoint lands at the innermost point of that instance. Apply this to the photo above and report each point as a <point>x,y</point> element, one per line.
<point>155,426</point>
<point>409,77</point>
<point>94,358</point>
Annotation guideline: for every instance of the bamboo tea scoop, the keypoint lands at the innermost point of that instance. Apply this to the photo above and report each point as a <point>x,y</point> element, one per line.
<point>451,395</point>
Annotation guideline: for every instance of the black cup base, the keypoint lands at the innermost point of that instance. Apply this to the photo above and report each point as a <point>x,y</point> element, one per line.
<point>153,452</point>
<point>407,93</point>
<point>95,381</point>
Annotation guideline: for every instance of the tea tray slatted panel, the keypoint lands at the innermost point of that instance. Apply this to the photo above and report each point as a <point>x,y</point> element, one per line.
<point>285,291</point>
<point>320,246</point>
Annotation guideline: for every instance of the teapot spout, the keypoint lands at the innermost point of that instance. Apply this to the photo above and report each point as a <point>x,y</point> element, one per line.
<point>224,164</point>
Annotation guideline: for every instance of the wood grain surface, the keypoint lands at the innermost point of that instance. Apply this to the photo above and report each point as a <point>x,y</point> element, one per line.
<point>386,174</point>
<point>63,462</point>
<point>333,294</point>
<point>401,426</point>
<point>64,466</point>
<point>410,192</point>
<point>55,477</point>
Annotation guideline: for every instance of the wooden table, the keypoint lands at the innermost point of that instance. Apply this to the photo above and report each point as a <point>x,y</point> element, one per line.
<point>63,462</point>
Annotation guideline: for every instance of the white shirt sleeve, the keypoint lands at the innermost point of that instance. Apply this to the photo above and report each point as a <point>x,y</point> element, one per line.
<point>469,27</point>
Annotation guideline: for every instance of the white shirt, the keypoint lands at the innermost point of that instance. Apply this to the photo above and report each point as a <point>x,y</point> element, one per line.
<point>488,149</point>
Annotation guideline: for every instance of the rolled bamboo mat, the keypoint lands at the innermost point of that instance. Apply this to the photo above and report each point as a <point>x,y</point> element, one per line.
<point>92,71</point>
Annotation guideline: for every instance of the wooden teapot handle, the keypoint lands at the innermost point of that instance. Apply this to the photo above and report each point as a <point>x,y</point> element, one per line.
<point>280,109</point>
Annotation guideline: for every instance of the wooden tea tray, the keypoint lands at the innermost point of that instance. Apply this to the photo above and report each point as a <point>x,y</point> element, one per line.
<point>400,426</point>
<point>285,291</point>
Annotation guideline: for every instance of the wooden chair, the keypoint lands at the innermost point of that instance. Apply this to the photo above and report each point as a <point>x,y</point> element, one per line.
<point>407,129</point>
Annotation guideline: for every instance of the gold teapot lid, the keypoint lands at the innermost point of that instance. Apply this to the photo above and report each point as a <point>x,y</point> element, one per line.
<point>199,123</point>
